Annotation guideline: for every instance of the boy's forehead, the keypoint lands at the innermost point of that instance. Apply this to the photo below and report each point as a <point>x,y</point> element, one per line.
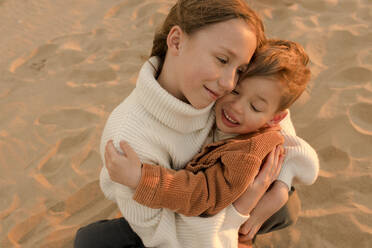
<point>262,88</point>
<point>254,82</point>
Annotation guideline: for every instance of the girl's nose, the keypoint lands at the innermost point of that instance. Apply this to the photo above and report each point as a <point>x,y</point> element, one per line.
<point>228,81</point>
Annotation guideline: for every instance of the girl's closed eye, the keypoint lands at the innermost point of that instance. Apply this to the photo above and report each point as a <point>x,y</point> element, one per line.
<point>222,60</point>
<point>234,92</point>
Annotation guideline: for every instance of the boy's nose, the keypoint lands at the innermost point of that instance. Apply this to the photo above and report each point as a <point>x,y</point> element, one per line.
<point>237,106</point>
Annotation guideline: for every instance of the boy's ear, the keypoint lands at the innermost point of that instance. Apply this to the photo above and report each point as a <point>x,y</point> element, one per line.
<point>174,40</point>
<point>278,117</point>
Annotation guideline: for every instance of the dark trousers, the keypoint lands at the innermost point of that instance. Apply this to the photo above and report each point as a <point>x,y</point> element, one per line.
<point>117,233</point>
<point>114,233</point>
<point>285,216</point>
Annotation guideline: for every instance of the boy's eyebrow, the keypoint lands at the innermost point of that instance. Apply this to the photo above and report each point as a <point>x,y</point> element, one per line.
<point>228,50</point>
<point>263,99</point>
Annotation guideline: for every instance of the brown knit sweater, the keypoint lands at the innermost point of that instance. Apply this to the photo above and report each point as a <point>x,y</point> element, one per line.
<point>214,178</point>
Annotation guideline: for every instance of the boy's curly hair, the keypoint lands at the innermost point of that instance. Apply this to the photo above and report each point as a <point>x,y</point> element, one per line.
<point>284,60</point>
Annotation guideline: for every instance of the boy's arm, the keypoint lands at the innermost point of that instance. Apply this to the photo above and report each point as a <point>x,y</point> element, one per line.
<point>206,191</point>
<point>269,204</point>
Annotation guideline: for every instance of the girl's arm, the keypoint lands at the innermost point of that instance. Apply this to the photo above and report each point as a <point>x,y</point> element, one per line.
<point>301,164</point>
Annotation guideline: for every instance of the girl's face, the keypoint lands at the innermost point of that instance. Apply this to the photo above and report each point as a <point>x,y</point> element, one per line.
<point>249,107</point>
<point>210,61</point>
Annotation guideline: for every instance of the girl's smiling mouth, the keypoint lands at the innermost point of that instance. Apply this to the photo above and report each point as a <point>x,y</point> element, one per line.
<point>213,95</point>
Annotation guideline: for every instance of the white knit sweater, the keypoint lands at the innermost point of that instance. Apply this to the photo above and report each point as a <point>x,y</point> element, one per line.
<point>164,130</point>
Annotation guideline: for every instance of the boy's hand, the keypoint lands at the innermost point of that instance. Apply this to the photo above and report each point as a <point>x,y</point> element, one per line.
<point>123,168</point>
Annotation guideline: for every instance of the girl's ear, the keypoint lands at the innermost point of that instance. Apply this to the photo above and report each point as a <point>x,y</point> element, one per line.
<point>174,40</point>
<point>277,118</point>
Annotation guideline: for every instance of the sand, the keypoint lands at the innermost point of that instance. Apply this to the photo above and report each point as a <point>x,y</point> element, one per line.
<point>65,65</point>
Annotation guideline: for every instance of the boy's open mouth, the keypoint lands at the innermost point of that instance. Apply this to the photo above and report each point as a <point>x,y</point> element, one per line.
<point>228,120</point>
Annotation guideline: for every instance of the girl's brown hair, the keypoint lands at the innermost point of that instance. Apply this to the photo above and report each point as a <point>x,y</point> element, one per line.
<point>285,61</point>
<point>192,15</point>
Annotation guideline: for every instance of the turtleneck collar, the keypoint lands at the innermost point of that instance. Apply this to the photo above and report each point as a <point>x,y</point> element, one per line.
<point>168,109</point>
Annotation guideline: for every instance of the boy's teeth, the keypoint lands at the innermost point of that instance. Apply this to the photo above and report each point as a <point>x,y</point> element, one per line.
<point>229,118</point>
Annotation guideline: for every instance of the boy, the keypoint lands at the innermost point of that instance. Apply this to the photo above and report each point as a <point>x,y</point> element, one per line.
<point>247,130</point>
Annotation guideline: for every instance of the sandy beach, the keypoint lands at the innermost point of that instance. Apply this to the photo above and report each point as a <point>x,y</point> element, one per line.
<point>65,65</point>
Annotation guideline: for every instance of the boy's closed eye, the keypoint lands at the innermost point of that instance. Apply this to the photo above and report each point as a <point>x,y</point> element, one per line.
<point>255,109</point>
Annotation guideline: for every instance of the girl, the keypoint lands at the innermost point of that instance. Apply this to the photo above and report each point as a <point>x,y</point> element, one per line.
<point>198,55</point>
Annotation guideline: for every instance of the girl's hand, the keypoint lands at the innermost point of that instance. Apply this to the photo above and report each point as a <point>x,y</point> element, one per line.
<point>123,168</point>
<point>270,170</point>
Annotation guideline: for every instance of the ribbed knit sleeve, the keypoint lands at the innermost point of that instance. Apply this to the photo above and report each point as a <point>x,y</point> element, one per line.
<point>207,191</point>
<point>207,184</point>
<point>301,164</point>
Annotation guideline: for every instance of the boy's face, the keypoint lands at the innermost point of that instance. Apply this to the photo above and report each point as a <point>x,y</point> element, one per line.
<point>252,104</point>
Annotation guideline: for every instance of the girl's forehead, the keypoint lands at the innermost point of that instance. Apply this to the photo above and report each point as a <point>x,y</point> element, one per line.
<point>234,37</point>
<point>225,29</point>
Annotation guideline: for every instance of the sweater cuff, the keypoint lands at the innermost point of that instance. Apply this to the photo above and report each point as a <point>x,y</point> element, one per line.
<point>146,188</point>
<point>286,174</point>
<point>234,217</point>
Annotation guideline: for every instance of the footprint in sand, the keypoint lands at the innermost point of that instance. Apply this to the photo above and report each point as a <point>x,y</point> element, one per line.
<point>23,231</point>
<point>315,5</point>
<point>91,163</point>
<point>57,226</point>
<point>366,56</point>
<point>57,162</point>
<point>360,116</point>
<point>34,62</point>
<point>9,201</point>
<point>92,74</point>
<point>338,39</point>
<point>334,159</point>
<point>356,74</point>
<point>84,205</point>
<point>65,58</point>
<point>69,118</point>
<point>52,167</point>
<point>80,58</point>
<point>48,57</point>
<point>145,12</point>
<point>136,11</point>
<point>351,76</point>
